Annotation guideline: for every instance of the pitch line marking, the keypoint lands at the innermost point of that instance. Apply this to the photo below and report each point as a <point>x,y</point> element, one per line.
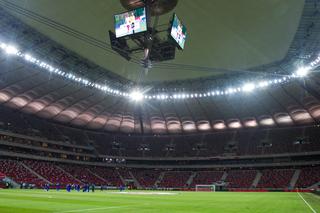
<point>314,211</point>
<point>93,209</point>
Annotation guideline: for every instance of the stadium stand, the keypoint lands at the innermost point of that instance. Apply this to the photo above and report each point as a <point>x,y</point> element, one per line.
<point>146,178</point>
<point>240,178</point>
<point>308,177</point>
<point>124,173</point>
<point>275,178</point>
<point>21,135</point>
<point>109,174</point>
<point>25,137</point>
<point>175,179</point>
<point>51,172</point>
<point>76,174</point>
<point>207,177</point>
<point>18,173</point>
<point>83,174</point>
<point>35,133</point>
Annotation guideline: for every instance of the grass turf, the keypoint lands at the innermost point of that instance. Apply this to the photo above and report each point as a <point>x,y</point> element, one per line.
<point>39,201</point>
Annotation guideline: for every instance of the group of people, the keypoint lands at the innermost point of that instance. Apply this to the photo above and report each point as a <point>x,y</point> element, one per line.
<point>70,187</point>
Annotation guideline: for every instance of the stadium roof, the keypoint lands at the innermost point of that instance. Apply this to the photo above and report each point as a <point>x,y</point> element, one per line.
<point>228,35</point>
<point>34,87</point>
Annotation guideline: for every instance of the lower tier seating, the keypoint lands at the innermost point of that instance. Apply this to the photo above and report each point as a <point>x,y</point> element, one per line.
<point>41,172</point>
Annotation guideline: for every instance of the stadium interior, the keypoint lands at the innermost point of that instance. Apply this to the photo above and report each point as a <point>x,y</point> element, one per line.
<point>237,107</point>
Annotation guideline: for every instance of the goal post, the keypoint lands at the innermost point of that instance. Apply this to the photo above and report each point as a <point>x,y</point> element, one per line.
<point>205,188</point>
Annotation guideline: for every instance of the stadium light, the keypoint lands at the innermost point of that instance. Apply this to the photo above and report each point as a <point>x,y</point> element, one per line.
<point>263,84</point>
<point>302,71</point>
<point>29,58</point>
<point>248,87</point>
<point>10,50</point>
<point>136,96</point>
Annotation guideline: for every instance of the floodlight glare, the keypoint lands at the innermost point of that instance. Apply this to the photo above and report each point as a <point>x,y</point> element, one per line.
<point>136,95</point>
<point>263,83</point>
<point>11,50</point>
<point>302,71</point>
<point>248,87</point>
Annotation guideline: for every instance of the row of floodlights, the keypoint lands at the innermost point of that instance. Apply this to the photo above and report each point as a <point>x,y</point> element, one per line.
<point>139,95</point>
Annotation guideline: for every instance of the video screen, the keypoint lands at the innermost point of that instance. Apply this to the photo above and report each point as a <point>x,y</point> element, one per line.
<point>131,22</point>
<point>178,31</point>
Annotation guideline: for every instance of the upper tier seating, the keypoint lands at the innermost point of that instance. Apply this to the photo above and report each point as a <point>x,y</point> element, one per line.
<point>245,142</point>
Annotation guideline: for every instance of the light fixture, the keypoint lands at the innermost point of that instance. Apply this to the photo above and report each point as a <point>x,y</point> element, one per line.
<point>248,87</point>
<point>11,50</point>
<point>136,95</point>
<point>263,84</point>
<point>302,71</point>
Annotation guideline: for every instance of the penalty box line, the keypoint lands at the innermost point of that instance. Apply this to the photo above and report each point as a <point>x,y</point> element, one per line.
<point>312,209</point>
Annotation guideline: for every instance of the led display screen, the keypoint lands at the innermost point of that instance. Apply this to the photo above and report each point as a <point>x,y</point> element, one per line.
<point>130,22</point>
<point>178,31</point>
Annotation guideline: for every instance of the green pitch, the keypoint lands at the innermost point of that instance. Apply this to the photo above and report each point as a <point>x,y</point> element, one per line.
<point>15,201</point>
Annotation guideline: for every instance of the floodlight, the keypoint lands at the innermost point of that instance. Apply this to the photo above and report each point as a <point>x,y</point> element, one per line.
<point>302,71</point>
<point>248,87</point>
<point>136,95</point>
<point>263,83</point>
<point>11,50</point>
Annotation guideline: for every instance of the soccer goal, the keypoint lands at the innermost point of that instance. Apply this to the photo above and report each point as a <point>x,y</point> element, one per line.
<point>205,188</point>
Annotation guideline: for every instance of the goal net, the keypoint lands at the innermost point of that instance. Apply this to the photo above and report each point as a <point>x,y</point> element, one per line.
<point>205,188</point>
